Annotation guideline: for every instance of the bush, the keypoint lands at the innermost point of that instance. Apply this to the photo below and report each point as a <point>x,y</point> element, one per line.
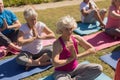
<point>9,3</point>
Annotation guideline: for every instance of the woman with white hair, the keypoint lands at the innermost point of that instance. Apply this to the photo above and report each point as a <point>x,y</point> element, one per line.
<point>30,35</point>
<point>65,54</point>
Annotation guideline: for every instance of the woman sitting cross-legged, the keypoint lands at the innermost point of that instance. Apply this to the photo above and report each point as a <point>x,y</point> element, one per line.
<point>65,54</point>
<point>30,35</point>
<point>112,27</point>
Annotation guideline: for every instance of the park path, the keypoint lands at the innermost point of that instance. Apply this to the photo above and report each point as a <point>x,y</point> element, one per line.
<point>47,5</point>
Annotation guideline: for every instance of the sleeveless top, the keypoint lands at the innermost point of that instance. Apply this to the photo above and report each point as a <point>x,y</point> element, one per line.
<point>113,22</point>
<point>66,54</point>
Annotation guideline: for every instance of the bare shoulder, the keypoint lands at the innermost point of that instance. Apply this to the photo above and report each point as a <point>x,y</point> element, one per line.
<point>56,42</point>
<point>79,38</point>
<point>56,45</point>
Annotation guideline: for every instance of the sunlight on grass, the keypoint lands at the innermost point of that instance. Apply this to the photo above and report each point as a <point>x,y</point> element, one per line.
<point>50,17</point>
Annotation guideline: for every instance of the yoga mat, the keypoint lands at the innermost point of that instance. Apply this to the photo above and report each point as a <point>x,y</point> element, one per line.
<point>101,40</point>
<point>86,28</point>
<point>111,58</point>
<point>10,70</point>
<point>48,42</point>
<point>101,77</point>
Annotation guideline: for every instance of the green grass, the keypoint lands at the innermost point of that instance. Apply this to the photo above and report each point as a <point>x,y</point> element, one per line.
<point>50,17</point>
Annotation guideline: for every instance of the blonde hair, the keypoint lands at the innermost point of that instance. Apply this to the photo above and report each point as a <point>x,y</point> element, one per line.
<point>65,22</point>
<point>28,12</point>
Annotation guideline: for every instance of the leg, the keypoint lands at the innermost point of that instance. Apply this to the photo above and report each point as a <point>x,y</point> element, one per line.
<point>59,75</point>
<point>87,71</point>
<point>13,46</point>
<point>103,13</point>
<point>114,32</point>
<point>7,42</point>
<point>4,40</point>
<point>23,58</point>
<point>99,18</point>
<point>46,51</point>
<point>90,18</point>
<point>42,58</point>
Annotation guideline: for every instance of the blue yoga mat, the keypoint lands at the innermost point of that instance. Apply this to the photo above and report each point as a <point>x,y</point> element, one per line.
<point>101,77</point>
<point>10,70</point>
<point>85,28</point>
<point>111,58</point>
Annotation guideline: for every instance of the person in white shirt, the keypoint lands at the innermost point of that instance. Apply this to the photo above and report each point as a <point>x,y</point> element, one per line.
<point>90,13</point>
<point>30,35</point>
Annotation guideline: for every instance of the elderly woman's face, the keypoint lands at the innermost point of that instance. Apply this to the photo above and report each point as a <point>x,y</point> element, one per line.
<point>32,20</point>
<point>67,31</point>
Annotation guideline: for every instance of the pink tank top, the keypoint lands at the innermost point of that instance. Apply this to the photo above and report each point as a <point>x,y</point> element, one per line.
<point>66,54</point>
<point>113,22</point>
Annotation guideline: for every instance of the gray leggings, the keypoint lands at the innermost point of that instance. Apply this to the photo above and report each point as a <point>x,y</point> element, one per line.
<point>82,72</point>
<point>113,32</point>
<point>24,56</point>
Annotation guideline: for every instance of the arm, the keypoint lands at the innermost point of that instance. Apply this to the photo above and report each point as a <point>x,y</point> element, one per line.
<point>15,22</point>
<point>5,25</point>
<point>93,5</point>
<point>23,41</point>
<point>57,48</point>
<point>114,14</point>
<point>48,34</point>
<point>89,49</point>
<point>15,25</point>
<point>86,12</point>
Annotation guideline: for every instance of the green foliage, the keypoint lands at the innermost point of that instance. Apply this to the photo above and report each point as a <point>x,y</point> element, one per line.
<point>9,3</point>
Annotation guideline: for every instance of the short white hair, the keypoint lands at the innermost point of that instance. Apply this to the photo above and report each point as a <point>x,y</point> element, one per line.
<point>65,22</point>
<point>1,1</point>
<point>28,12</point>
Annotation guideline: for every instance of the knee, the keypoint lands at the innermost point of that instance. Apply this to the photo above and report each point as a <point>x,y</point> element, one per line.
<point>99,67</point>
<point>104,11</point>
<point>21,61</point>
<point>49,53</point>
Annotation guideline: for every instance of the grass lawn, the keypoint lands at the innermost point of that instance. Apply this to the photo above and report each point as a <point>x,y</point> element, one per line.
<point>50,17</point>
